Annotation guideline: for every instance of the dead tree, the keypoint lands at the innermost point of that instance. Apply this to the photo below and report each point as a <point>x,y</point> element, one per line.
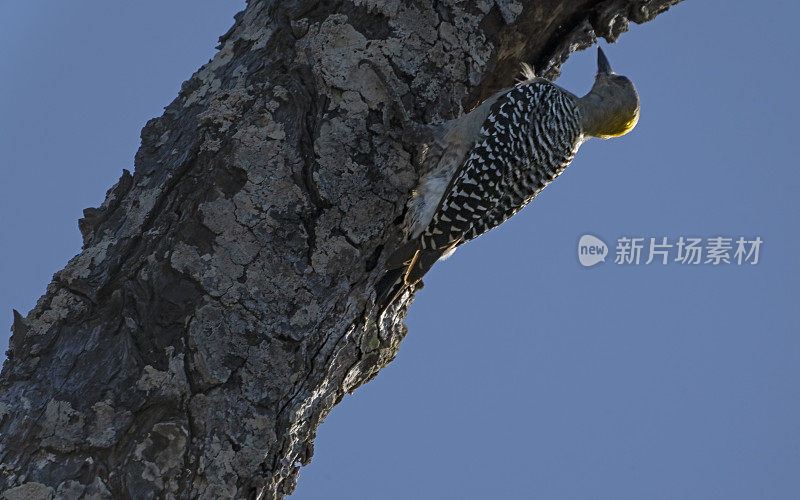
<point>215,314</point>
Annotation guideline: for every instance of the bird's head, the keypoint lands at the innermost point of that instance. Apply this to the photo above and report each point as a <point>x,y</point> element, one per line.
<point>611,108</point>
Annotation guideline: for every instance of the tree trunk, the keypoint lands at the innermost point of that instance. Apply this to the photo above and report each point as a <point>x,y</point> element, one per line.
<point>216,312</point>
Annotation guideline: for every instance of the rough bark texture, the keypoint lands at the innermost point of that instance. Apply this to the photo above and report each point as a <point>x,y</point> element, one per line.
<point>215,313</point>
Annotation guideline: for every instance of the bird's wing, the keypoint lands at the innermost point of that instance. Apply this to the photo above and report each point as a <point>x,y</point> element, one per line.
<point>552,143</point>
<point>444,158</point>
<point>485,174</point>
<point>472,191</point>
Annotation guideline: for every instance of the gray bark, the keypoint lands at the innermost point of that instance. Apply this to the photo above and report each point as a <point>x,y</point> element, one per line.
<point>215,314</point>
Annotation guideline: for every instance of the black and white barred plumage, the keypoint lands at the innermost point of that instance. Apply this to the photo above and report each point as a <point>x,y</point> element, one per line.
<point>527,140</point>
<point>529,135</point>
<point>490,163</point>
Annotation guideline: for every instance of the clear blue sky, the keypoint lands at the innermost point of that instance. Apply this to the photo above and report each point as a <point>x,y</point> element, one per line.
<point>524,375</point>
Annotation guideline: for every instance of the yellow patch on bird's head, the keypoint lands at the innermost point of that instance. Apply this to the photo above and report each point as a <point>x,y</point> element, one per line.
<point>619,124</point>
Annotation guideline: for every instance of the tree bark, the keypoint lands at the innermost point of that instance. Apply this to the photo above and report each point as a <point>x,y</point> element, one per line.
<point>215,314</point>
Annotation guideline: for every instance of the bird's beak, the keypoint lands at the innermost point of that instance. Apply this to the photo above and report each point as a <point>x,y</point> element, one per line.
<point>603,66</point>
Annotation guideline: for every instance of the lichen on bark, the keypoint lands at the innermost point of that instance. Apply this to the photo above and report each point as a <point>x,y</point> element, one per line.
<point>216,312</point>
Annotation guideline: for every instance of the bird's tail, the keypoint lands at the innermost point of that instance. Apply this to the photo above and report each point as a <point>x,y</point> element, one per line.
<point>405,268</point>
<point>388,289</point>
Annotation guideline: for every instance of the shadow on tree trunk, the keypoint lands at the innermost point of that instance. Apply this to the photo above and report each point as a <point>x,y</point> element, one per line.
<point>216,312</point>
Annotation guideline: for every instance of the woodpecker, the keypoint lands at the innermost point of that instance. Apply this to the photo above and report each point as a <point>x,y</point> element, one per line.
<point>487,165</point>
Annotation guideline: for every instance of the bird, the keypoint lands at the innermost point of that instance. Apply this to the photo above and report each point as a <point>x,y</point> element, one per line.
<point>487,165</point>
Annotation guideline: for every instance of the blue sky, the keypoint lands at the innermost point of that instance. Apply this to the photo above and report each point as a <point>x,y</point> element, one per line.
<point>524,375</point>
